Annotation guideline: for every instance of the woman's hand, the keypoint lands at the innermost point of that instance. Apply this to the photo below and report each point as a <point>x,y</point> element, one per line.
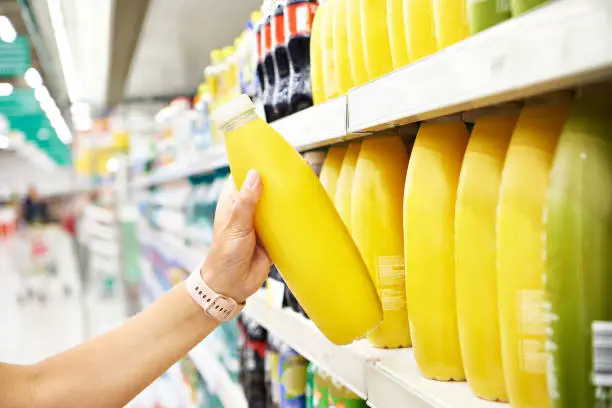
<point>237,264</point>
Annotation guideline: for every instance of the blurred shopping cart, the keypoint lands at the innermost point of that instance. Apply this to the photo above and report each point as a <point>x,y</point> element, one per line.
<point>36,262</point>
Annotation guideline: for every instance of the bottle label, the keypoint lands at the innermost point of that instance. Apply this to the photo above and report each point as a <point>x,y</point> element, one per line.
<point>602,357</point>
<point>299,19</point>
<point>391,282</point>
<point>340,402</point>
<point>259,45</point>
<point>531,320</point>
<point>279,30</point>
<point>266,43</point>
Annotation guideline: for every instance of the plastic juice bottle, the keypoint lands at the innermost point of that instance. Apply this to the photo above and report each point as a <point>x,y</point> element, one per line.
<point>292,370</point>
<point>232,72</point>
<point>429,217</point>
<point>521,6</point>
<point>397,33</point>
<point>341,397</point>
<point>355,42</point>
<point>483,14</point>
<point>316,55</point>
<point>344,185</point>
<point>520,265</point>
<point>330,78</point>
<point>376,226</point>
<point>291,217</point>
<point>211,74</point>
<point>450,22</point>
<point>578,263</point>
<point>280,99</point>
<point>375,37</point>
<point>259,67</point>
<point>268,67</point>
<point>420,32</point>
<point>342,61</point>
<point>331,169</point>
<point>298,30</point>
<point>321,392</point>
<point>475,255</point>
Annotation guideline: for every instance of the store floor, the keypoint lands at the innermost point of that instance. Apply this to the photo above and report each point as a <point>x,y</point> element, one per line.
<point>33,329</point>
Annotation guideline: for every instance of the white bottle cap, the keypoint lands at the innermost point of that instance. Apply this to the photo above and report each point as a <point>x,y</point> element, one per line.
<point>231,110</point>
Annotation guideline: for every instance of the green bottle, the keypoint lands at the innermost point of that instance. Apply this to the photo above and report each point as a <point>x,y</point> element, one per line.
<point>521,6</point>
<point>483,14</point>
<point>320,398</point>
<point>311,371</point>
<point>579,258</point>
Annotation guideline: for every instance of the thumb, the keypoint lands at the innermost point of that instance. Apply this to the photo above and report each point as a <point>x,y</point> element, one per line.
<point>244,205</point>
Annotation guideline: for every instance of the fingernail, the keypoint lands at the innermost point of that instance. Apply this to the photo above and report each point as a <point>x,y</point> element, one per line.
<point>251,178</point>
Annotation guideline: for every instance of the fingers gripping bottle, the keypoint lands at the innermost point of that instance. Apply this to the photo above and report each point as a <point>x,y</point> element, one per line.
<point>281,61</point>
<point>292,215</point>
<point>299,20</point>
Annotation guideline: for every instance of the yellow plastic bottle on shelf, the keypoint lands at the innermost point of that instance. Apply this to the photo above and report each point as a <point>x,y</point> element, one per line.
<point>330,79</point>
<point>316,55</point>
<point>376,226</point>
<point>292,215</point>
<point>331,169</point>
<point>342,61</point>
<point>450,21</point>
<point>344,186</point>
<point>375,36</point>
<point>355,42</point>
<point>429,218</point>
<point>520,264</point>
<point>230,78</point>
<point>420,32</point>
<point>397,33</point>
<point>475,255</point>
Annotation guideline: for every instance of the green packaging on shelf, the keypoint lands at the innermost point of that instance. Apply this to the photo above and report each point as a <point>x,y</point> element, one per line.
<point>321,390</point>
<point>483,14</point>
<point>342,397</point>
<point>578,258</point>
<point>311,371</point>
<point>521,6</point>
<point>292,371</point>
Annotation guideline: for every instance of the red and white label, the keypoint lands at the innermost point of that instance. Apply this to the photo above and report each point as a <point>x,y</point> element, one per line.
<point>299,19</point>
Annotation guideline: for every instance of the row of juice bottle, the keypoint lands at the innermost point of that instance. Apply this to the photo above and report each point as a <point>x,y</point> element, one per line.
<point>273,375</point>
<point>490,249</point>
<point>356,41</point>
<point>269,61</point>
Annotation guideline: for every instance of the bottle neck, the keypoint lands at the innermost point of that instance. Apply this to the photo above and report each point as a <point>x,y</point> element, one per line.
<point>239,120</point>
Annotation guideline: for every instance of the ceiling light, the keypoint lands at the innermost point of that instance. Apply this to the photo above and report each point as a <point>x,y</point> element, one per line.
<point>63,47</point>
<point>33,78</point>
<point>6,89</point>
<point>7,31</point>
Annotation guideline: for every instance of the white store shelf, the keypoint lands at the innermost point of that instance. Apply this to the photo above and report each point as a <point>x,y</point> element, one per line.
<point>562,44</point>
<point>386,378</point>
<point>317,126</point>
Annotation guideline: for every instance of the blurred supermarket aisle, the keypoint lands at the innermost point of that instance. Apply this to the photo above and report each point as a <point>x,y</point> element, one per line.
<point>34,329</point>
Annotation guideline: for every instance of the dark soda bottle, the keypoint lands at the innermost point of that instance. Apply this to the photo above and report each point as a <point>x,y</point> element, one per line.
<point>268,68</point>
<point>298,26</point>
<point>281,61</point>
<point>259,70</point>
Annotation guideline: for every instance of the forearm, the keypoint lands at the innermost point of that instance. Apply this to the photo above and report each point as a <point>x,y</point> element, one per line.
<point>112,369</point>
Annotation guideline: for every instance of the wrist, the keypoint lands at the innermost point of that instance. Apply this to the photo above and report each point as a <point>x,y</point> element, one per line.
<point>220,285</point>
